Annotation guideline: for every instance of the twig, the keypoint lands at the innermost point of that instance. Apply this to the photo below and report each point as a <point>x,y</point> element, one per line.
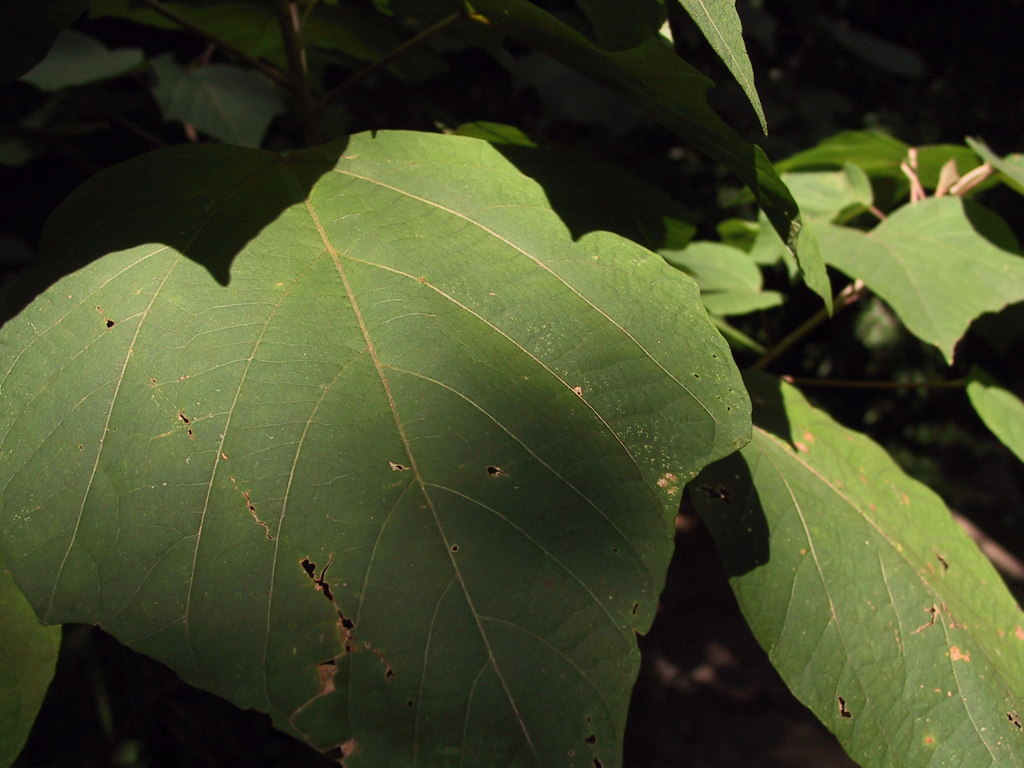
<point>386,59</point>
<point>844,298</point>
<point>270,71</point>
<point>870,384</point>
<point>1002,559</point>
<point>288,22</point>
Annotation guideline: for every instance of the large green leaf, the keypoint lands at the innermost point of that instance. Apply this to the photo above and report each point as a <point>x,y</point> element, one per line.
<point>406,482</point>
<point>721,25</point>
<point>28,656</point>
<point>878,611</point>
<point>673,92</point>
<point>28,29</point>
<point>938,264</point>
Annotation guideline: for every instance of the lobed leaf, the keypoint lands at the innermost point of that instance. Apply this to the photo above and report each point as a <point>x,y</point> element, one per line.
<point>403,475</point>
<point>878,611</point>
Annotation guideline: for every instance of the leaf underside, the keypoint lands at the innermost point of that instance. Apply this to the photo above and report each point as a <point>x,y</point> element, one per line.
<point>406,481</point>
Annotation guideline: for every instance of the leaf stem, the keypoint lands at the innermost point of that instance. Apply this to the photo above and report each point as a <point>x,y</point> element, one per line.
<point>298,82</point>
<point>386,59</point>
<point>875,384</point>
<point>849,295</point>
<point>270,71</point>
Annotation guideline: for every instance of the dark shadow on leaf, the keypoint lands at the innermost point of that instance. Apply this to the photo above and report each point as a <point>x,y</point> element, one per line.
<point>991,226</point>
<point>592,195</point>
<point>727,500</point>
<point>725,494</point>
<point>207,201</point>
<point>769,411</point>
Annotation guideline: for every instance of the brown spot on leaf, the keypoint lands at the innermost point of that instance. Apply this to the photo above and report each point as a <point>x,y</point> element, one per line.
<point>325,671</point>
<point>955,654</point>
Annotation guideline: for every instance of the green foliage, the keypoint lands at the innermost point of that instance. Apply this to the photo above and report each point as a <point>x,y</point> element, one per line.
<point>878,612</point>
<point>28,654</point>
<point>384,436</point>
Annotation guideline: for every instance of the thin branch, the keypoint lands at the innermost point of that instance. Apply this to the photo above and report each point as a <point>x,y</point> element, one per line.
<point>270,71</point>
<point>386,59</point>
<point>875,384</point>
<point>288,22</point>
<point>849,295</point>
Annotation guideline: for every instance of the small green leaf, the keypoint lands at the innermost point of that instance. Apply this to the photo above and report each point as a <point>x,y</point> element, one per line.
<point>831,195</point>
<point>76,59</point>
<point>729,280</point>
<point>225,101</point>
<point>721,25</point>
<point>28,656</point>
<point>879,156</point>
<point>1000,409</point>
<point>28,29</point>
<point>932,265</point>
<point>405,475</point>
<point>1011,166</point>
<point>877,610</point>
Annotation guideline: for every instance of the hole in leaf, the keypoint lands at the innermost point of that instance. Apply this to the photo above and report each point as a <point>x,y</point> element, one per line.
<point>494,471</point>
<point>346,622</point>
<point>591,739</point>
<point>597,763</point>
<point>110,323</point>
<point>184,419</point>
<point>843,711</point>
<point>308,567</point>
<point>397,467</point>
<point>455,547</point>
<point>943,561</point>
<point>409,703</point>
<point>636,607</point>
<point>1014,719</point>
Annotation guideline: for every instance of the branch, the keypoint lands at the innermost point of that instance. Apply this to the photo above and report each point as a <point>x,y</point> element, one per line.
<point>272,72</point>
<point>875,384</point>
<point>298,83</point>
<point>386,59</point>
<point>849,295</point>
